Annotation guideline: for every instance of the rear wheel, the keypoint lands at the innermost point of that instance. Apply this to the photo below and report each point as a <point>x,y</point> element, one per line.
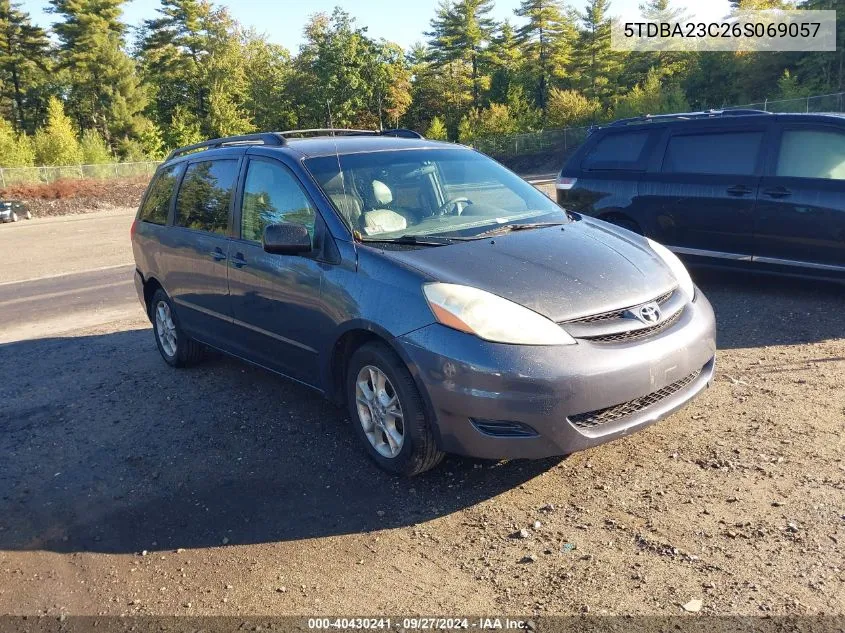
<point>14,217</point>
<point>28,216</point>
<point>624,222</point>
<point>175,347</point>
<point>387,412</point>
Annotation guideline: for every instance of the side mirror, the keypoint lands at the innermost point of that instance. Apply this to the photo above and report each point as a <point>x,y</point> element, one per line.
<point>286,239</point>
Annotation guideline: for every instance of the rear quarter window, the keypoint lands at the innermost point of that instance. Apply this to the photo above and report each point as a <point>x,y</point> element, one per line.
<point>157,203</point>
<point>618,151</point>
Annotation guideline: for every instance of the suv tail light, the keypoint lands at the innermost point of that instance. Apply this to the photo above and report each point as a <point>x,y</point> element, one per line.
<point>133,228</point>
<point>564,184</point>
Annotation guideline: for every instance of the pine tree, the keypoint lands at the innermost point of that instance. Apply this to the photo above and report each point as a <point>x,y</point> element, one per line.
<point>546,39</point>
<point>105,91</point>
<point>460,32</point>
<point>436,130</point>
<point>506,59</point>
<point>24,62</point>
<point>597,66</point>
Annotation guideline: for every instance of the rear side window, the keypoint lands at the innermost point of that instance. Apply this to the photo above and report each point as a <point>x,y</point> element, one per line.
<point>157,203</point>
<point>812,154</point>
<point>204,197</point>
<point>733,153</point>
<point>620,150</point>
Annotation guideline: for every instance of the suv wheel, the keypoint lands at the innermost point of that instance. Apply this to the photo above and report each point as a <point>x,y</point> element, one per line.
<point>176,348</point>
<point>14,217</point>
<point>388,413</point>
<point>623,222</point>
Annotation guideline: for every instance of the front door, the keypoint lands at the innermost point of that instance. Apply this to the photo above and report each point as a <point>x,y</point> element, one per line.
<point>275,299</point>
<point>801,209</point>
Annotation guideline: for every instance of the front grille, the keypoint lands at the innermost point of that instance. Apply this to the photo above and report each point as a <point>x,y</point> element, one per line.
<point>633,335</point>
<point>620,314</point>
<point>592,419</point>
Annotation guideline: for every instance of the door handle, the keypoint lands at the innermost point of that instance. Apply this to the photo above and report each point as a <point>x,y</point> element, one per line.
<point>217,255</point>
<point>739,190</point>
<point>238,260</point>
<point>778,192</point>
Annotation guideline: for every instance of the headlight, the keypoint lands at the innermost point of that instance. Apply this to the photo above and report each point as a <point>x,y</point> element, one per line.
<point>677,268</point>
<point>491,317</point>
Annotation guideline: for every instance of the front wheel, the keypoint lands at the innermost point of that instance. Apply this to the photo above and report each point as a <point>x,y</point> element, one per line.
<point>14,217</point>
<point>387,412</point>
<point>175,347</point>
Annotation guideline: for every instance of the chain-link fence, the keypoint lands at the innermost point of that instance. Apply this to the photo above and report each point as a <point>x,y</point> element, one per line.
<point>33,175</point>
<point>564,142</point>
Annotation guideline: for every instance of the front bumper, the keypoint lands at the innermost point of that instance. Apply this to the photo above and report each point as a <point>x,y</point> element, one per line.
<point>465,379</point>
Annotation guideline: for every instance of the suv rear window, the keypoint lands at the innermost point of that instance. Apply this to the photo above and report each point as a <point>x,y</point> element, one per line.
<point>204,197</point>
<point>724,153</point>
<point>157,203</point>
<point>617,150</point>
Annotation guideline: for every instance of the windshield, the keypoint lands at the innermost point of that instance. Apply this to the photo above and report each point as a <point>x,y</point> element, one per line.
<point>428,192</point>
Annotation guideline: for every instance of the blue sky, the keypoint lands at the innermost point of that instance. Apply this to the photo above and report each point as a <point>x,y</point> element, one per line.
<point>400,21</point>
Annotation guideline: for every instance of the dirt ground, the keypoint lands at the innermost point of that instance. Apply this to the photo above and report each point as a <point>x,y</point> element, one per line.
<point>71,197</point>
<point>127,487</point>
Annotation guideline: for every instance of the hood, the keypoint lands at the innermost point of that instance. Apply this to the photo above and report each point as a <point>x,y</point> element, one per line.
<point>566,272</point>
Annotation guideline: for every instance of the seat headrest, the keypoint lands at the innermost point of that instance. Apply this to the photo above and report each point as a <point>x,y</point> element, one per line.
<point>381,193</point>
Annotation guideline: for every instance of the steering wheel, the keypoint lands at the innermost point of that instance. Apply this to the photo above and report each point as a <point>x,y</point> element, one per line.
<point>454,205</point>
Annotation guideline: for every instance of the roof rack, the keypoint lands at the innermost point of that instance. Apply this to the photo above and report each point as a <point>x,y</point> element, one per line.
<point>704,114</point>
<point>332,131</point>
<point>280,138</point>
<point>262,138</point>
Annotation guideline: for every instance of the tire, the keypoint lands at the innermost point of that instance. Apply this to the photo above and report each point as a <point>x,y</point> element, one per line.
<point>14,217</point>
<point>28,216</point>
<point>176,348</point>
<point>417,451</point>
<point>624,222</point>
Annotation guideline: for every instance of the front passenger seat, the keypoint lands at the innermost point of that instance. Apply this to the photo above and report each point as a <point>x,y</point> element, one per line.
<point>381,219</point>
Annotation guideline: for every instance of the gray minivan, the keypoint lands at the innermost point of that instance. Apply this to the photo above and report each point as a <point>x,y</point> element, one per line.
<point>451,306</point>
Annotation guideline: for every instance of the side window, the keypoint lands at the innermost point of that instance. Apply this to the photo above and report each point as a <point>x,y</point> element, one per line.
<point>617,150</point>
<point>157,202</point>
<point>812,154</point>
<point>272,195</point>
<point>731,153</point>
<point>203,199</point>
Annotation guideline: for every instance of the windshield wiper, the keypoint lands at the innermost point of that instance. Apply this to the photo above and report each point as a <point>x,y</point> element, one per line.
<point>409,239</point>
<point>508,228</point>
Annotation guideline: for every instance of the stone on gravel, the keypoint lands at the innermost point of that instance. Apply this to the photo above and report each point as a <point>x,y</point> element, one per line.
<point>693,606</point>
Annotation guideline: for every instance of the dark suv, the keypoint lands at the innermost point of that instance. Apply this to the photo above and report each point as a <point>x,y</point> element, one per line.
<point>742,188</point>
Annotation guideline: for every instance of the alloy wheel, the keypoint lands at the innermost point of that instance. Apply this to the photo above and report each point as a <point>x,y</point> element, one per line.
<point>379,411</point>
<point>165,328</point>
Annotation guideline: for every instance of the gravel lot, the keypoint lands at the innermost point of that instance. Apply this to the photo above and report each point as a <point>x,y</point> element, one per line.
<point>127,487</point>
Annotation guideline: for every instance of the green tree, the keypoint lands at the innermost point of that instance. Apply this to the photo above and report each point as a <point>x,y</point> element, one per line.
<point>332,73</point>
<point>268,70</point>
<point>56,142</point>
<point>390,79</point>
<point>24,63</point>
<point>15,148</point>
<point>460,32</point>
<point>505,57</point>
<point>595,65</point>
<point>105,92</point>
<point>569,108</point>
<point>482,122</point>
<point>184,128</point>
<point>436,130</point>
<point>94,149</point>
<point>546,39</point>
<point>650,97</point>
